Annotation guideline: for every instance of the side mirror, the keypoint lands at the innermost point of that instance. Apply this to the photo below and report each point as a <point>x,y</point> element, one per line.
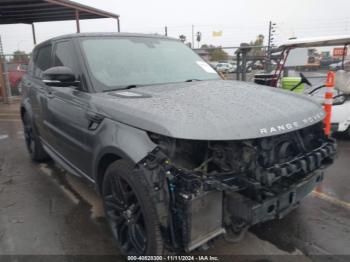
<point>59,76</point>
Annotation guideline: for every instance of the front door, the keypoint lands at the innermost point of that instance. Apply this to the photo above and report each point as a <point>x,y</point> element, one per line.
<point>67,108</point>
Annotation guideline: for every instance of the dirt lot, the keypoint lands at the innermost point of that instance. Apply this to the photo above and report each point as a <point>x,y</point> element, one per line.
<point>44,211</point>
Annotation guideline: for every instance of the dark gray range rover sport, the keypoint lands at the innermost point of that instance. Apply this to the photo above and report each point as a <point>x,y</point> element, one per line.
<point>179,156</point>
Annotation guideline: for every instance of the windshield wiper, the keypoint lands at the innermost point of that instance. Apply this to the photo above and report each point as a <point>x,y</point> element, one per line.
<point>122,88</point>
<point>192,80</point>
<point>130,86</point>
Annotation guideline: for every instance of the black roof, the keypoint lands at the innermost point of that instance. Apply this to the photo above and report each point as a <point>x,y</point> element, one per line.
<point>30,11</point>
<point>106,34</point>
<point>102,34</point>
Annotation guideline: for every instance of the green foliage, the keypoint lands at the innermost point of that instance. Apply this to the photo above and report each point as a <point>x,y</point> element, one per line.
<point>216,54</point>
<point>258,50</point>
<point>182,38</point>
<point>20,57</point>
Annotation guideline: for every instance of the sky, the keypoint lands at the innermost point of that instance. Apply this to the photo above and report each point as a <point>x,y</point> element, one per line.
<point>240,21</point>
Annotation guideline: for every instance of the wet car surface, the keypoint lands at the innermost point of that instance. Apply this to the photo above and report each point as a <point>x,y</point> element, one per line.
<point>45,211</point>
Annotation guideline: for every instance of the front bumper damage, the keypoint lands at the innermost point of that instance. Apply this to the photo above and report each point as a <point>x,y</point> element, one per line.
<point>253,212</point>
<point>195,208</point>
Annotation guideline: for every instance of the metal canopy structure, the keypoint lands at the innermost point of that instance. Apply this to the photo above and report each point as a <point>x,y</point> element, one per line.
<point>33,11</point>
<point>316,42</point>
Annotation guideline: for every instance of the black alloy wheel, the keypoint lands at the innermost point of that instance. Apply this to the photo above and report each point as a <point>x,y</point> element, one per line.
<point>130,212</point>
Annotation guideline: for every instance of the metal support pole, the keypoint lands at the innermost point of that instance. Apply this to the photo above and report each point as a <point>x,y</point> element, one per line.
<point>238,69</point>
<point>2,84</point>
<point>33,32</point>
<point>244,64</point>
<point>118,21</point>
<point>166,30</point>
<point>192,36</point>
<point>343,58</point>
<point>5,83</point>
<point>268,53</point>
<point>77,20</point>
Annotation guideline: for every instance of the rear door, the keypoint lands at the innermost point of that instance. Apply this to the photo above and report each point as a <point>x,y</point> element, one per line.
<point>67,107</point>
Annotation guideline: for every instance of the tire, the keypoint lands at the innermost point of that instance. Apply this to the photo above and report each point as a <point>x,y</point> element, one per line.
<point>130,211</point>
<point>16,89</point>
<point>33,143</point>
<point>347,132</point>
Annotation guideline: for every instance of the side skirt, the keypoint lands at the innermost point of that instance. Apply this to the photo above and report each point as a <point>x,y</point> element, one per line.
<point>57,157</point>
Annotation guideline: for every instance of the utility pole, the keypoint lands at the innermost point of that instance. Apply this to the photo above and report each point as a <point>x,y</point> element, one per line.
<point>269,46</point>
<point>1,49</point>
<point>2,80</point>
<point>192,36</point>
<point>5,90</point>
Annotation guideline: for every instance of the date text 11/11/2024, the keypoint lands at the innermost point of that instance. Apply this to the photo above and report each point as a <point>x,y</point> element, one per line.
<point>173,258</point>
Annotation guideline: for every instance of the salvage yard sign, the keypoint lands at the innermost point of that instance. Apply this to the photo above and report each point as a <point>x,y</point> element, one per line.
<point>340,51</point>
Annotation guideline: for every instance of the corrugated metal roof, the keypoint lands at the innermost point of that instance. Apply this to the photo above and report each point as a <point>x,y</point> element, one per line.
<point>31,11</point>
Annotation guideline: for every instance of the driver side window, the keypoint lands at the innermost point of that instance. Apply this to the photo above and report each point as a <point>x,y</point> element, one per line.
<point>64,55</point>
<point>42,60</point>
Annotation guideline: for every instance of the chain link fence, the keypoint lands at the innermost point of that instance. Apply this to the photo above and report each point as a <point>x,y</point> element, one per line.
<point>238,62</point>
<point>12,69</point>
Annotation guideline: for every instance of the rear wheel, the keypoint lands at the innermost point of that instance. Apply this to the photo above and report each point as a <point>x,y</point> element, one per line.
<point>130,211</point>
<point>33,143</point>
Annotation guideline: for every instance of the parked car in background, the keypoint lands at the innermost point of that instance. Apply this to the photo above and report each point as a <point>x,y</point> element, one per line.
<point>338,65</point>
<point>335,66</point>
<point>15,74</point>
<point>257,66</point>
<point>327,61</point>
<point>224,68</point>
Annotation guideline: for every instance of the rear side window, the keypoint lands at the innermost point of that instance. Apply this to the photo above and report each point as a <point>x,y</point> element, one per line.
<point>42,60</point>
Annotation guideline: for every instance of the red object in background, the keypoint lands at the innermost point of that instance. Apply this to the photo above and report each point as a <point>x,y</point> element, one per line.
<point>340,51</point>
<point>15,73</point>
<point>328,102</point>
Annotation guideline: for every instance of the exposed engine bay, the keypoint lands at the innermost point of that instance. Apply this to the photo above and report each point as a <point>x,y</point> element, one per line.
<point>203,189</point>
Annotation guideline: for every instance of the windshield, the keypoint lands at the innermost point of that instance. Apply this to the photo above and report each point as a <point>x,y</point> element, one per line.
<point>119,62</point>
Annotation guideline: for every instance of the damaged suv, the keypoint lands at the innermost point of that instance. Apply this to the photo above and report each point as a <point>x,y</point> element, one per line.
<point>179,156</point>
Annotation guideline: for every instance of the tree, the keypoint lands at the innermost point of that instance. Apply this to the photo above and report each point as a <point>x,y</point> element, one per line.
<point>258,43</point>
<point>20,57</point>
<point>216,53</point>
<point>182,38</point>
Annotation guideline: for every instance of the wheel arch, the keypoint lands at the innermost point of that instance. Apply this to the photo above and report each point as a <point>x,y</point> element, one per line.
<point>25,108</point>
<point>106,157</point>
<point>23,111</point>
<point>119,141</point>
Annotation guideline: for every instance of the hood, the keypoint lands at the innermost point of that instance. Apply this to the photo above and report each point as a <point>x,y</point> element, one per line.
<point>210,110</point>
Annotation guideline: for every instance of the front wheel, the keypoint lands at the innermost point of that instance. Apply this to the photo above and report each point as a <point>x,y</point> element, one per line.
<point>130,211</point>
